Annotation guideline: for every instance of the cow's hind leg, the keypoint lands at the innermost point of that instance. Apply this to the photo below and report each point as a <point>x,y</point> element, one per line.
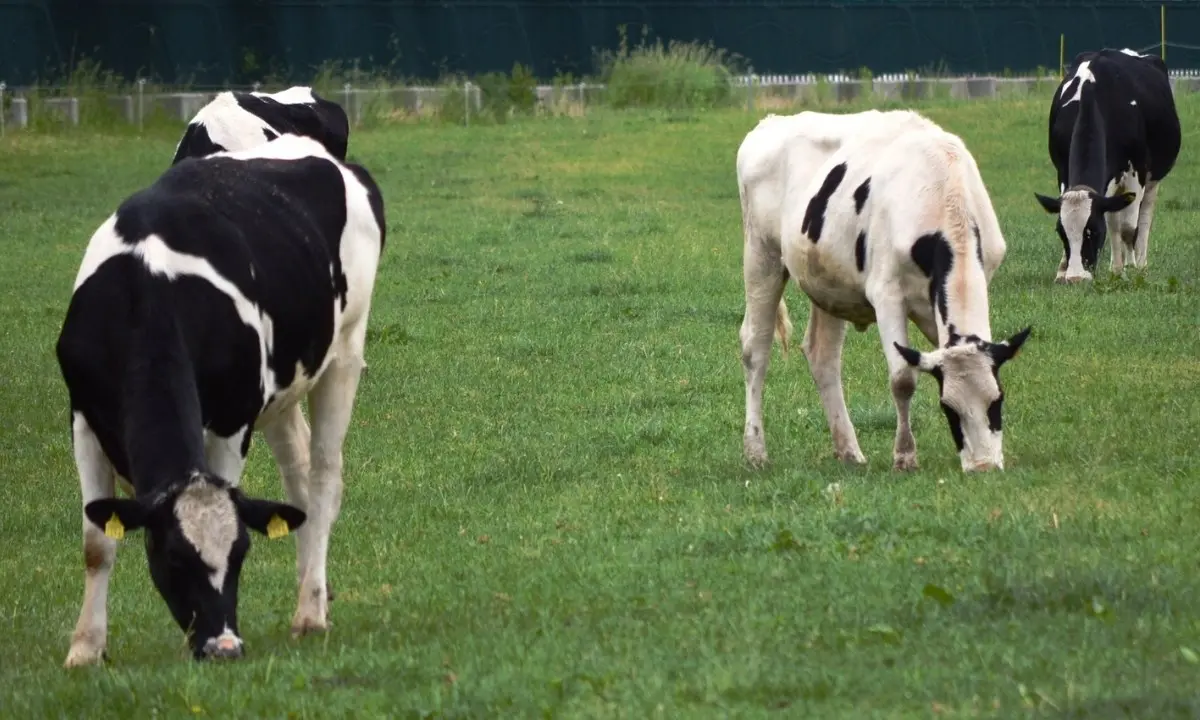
<point>99,551</point>
<point>331,404</point>
<point>823,342</point>
<point>1145,219</point>
<point>766,315</point>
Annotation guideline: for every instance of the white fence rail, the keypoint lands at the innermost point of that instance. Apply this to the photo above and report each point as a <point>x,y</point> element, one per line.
<point>16,105</point>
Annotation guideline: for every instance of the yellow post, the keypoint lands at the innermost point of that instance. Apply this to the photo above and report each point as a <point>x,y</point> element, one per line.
<point>1162,23</point>
<point>1062,42</point>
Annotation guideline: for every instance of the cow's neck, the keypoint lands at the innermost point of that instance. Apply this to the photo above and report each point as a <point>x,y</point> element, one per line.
<point>1088,160</point>
<point>161,417</point>
<point>964,296</point>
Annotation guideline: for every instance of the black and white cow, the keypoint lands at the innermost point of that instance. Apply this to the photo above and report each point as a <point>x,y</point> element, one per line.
<point>243,120</point>
<point>210,304</point>
<point>1114,136</point>
<point>879,218</point>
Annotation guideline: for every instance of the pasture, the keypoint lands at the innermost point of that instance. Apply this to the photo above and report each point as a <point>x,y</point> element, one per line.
<point>546,509</point>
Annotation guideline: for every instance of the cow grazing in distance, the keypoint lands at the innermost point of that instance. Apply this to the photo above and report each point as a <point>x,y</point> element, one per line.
<point>243,120</point>
<point>879,218</point>
<point>210,304</point>
<point>1114,135</point>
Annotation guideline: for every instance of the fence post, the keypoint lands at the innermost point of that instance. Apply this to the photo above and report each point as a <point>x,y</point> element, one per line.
<point>750,89</point>
<point>141,83</point>
<point>350,115</point>
<point>3,113</point>
<point>467,102</point>
<point>582,96</point>
<point>256,86</point>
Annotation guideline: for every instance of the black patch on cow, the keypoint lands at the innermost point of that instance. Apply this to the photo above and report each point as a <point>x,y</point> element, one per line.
<point>955,422</point>
<point>814,215</point>
<point>860,195</point>
<point>978,243</point>
<point>932,254</point>
<point>994,412</point>
<point>195,143</point>
<point>860,250</point>
<point>270,134</point>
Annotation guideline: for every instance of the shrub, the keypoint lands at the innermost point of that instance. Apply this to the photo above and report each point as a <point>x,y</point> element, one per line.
<point>677,75</point>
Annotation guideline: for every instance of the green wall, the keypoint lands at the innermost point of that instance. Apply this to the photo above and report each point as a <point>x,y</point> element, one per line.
<point>212,42</point>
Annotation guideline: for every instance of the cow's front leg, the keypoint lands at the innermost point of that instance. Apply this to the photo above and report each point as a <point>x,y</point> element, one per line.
<point>226,456</point>
<point>331,403</point>
<point>99,551</point>
<point>1117,241</point>
<point>1145,219</point>
<point>823,340</point>
<point>893,328</point>
<point>765,279</point>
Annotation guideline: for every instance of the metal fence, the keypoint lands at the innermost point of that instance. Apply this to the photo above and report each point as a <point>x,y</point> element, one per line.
<point>19,107</point>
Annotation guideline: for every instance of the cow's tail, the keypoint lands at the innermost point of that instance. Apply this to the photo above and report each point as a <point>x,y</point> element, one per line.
<point>783,326</point>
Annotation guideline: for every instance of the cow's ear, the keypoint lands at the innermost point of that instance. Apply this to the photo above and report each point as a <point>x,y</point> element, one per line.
<point>116,515</point>
<point>1051,205</point>
<point>1116,202</point>
<point>1002,352</point>
<point>273,519</point>
<point>925,362</point>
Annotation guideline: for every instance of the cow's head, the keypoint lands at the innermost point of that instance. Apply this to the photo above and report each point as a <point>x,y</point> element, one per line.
<point>1081,227</point>
<point>196,541</point>
<point>968,374</point>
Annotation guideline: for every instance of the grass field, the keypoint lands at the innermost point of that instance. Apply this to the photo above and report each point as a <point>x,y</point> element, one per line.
<point>547,512</point>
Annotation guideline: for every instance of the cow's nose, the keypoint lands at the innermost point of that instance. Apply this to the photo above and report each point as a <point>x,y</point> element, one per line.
<point>225,647</point>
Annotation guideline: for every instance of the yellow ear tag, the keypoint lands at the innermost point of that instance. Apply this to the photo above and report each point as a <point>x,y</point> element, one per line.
<point>113,528</point>
<point>277,527</point>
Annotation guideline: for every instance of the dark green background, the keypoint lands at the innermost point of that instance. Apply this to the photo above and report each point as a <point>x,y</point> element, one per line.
<point>213,42</point>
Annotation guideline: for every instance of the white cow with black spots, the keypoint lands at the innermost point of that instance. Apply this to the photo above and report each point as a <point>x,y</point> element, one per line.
<point>208,305</point>
<point>879,218</point>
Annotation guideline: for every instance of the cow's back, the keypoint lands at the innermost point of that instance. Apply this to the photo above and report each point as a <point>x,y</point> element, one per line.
<point>1134,93</point>
<point>783,152</point>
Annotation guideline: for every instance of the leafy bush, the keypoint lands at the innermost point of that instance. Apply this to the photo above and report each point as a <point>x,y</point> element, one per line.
<point>676,75</point>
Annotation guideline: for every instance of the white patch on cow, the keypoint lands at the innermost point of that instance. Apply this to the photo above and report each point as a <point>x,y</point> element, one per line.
<point>287,146</point>
<point>298,95</point>
<point>224,454</point>
<point>1084,73</point>
<point>1074,211</point>
<point>208,519</point>
<point>1131,53</point>
<point>1133,102</point>
<point>229,125</point>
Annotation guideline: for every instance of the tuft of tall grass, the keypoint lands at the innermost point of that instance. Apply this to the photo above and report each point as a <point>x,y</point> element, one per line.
<point>676,75</point>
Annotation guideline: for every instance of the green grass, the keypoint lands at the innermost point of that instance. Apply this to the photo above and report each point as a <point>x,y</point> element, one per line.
<point>546,509</point>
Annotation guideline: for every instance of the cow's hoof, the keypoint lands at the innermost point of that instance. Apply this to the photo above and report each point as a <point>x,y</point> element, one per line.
<point>905,462</point>
<point>755,452</point>
<point>852,456</point>
<point>83,655</point>
<point>308,625</point>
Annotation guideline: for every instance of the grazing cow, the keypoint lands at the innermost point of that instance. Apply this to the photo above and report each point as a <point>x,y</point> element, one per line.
<point>1114,136</point>
<point>240,121</point>
<point>210,304</point>
<point>879,217</point>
